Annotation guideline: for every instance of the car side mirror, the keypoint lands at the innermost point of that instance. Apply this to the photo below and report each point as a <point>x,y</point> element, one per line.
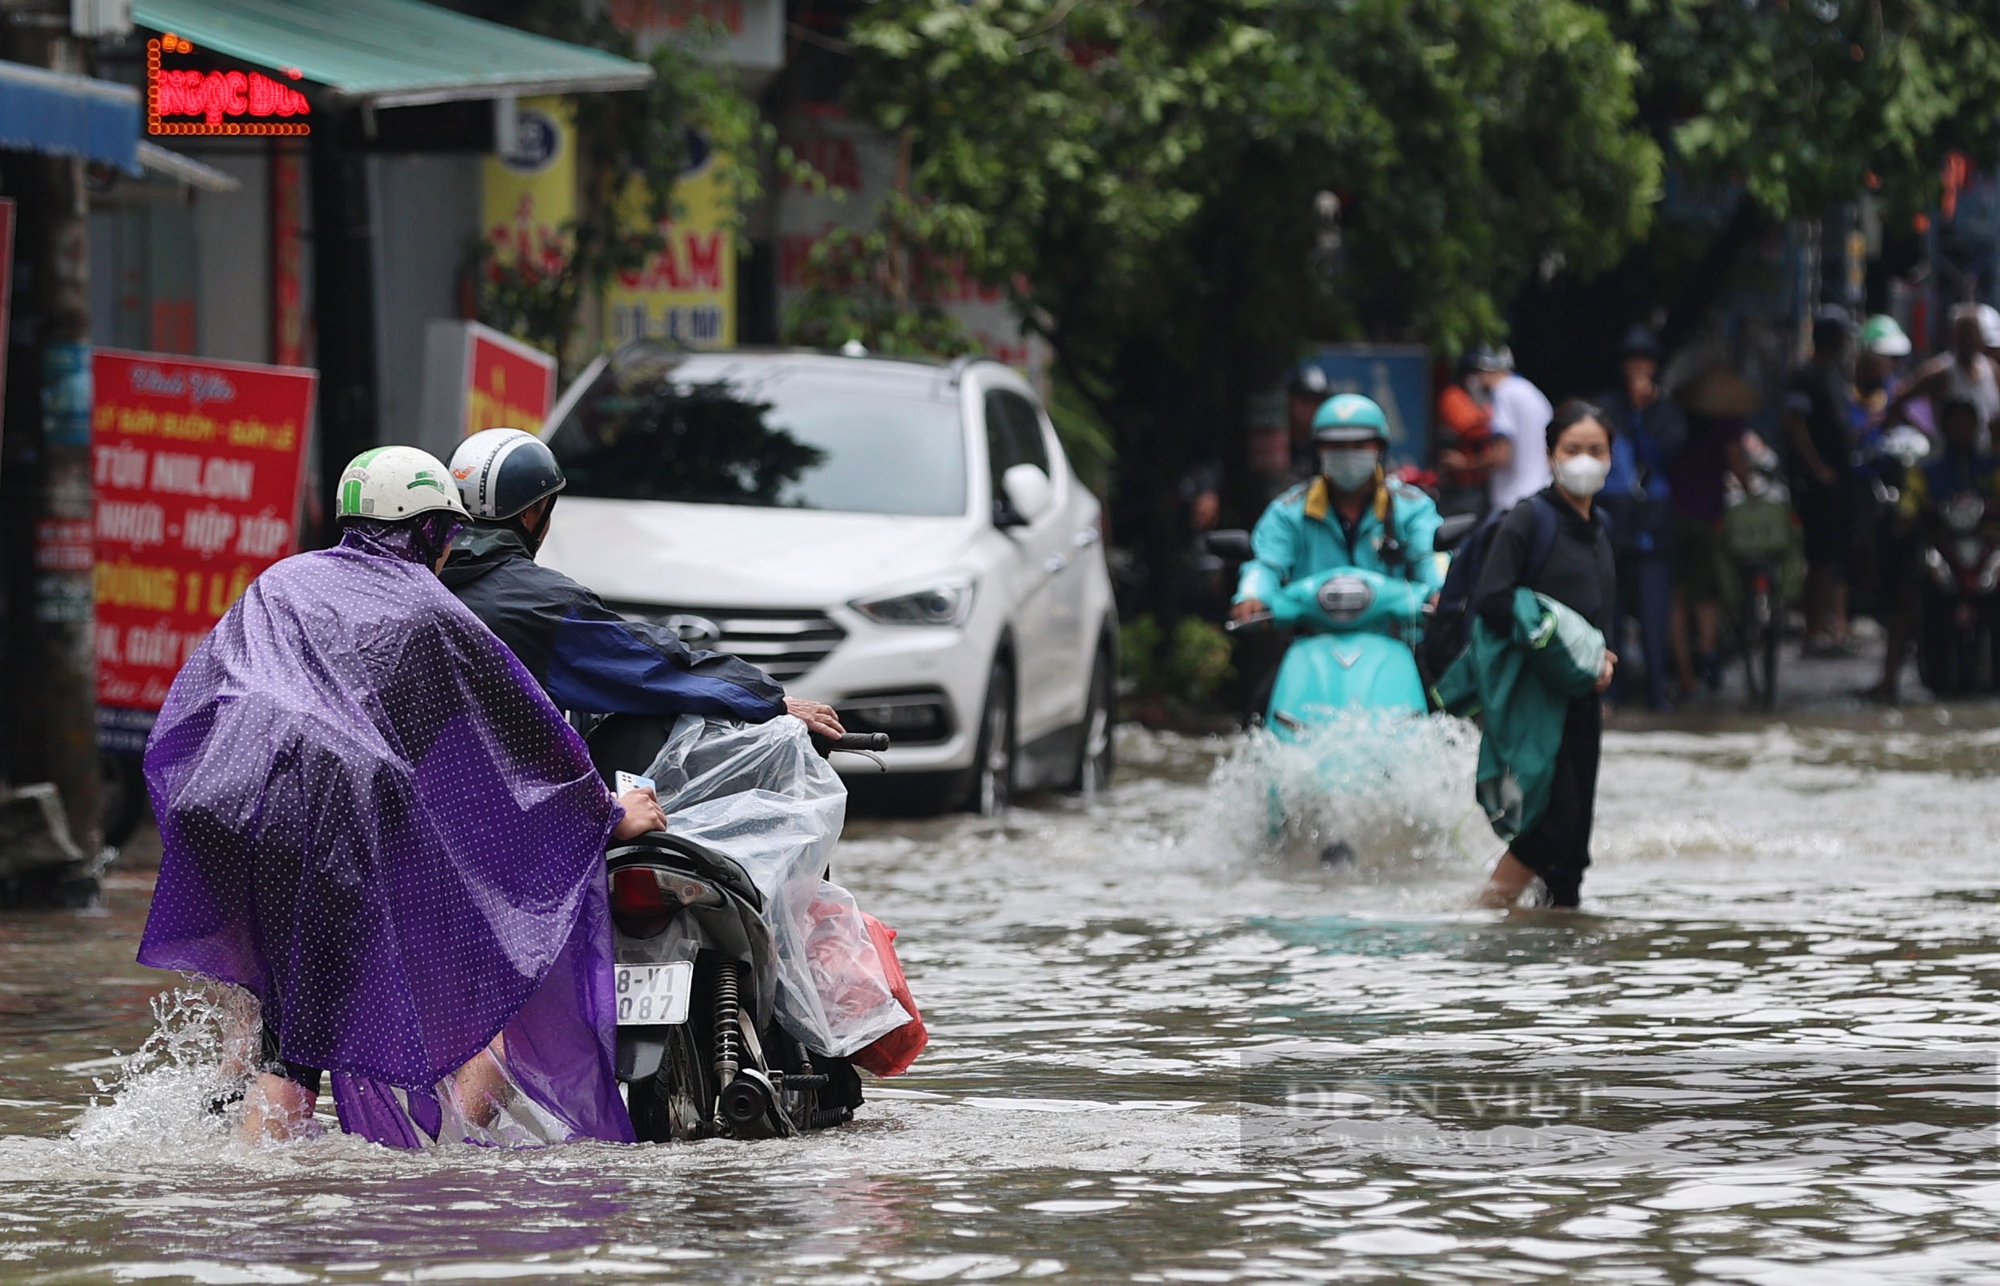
<point>1452,530</point>
<point>1028,493</point>
<point>1230,542</point>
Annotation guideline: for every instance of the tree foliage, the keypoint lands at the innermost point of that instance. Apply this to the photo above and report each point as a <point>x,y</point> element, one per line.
<point>1806,102</point>
<point>1468,144</point>
<point>880,285</point>
<point>1178,195</point>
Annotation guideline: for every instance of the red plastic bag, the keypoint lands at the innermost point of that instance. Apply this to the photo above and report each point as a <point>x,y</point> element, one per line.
<point>891,1055</point>
<point>853,1002</point>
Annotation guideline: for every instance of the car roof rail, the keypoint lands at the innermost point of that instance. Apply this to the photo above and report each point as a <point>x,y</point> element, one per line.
<point>955,370</point>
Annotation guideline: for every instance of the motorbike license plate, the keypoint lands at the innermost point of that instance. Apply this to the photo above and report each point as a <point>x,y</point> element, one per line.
<point>654,995</point>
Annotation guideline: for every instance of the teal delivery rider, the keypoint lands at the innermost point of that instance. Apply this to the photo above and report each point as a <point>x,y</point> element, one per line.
<point>1349,517</point>
<point>1348,558</point>
<point>1345,517</point>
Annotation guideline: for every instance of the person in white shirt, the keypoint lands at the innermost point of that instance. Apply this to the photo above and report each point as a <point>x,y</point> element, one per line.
<point>1520,414</point>
<point>1966,372</point>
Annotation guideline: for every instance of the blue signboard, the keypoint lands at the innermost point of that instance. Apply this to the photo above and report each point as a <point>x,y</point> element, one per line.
<point>1398,377</point>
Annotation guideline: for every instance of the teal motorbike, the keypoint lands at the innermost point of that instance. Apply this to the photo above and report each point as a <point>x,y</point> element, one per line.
<point>1349,679</point>
<point>1353,635</point>
<point>1352,649</point>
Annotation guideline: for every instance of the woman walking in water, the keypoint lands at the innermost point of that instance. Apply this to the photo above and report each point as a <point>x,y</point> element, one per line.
<point>1572,564</point>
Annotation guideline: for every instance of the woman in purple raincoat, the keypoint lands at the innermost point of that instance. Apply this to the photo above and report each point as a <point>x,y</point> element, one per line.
<point>374,821</point>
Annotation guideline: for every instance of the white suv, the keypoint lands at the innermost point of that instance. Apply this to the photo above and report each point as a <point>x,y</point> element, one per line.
<point>902,540</point>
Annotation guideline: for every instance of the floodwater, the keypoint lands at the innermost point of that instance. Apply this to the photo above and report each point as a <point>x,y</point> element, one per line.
<point>1161,1053</point>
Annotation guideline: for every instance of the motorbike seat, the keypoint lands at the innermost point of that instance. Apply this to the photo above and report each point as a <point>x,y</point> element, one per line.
<point>698,860</point>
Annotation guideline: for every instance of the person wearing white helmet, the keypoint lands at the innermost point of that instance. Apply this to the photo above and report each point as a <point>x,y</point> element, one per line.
<point>375,822</point>
<point>588,658</point>
<point>1967,373</point>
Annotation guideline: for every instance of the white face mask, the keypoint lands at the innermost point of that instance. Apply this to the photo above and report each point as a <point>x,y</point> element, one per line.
<point>1348,469</point>
<point>1582,475</point>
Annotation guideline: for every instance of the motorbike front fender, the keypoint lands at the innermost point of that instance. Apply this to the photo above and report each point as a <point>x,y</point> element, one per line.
<point>1325,674</point>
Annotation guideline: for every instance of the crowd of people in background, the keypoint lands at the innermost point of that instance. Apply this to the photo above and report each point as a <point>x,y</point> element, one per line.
<point>1679,454</point>
<point>1832,443</point>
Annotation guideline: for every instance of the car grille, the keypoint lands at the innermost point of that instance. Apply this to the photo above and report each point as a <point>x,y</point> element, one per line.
<point>784,643</point>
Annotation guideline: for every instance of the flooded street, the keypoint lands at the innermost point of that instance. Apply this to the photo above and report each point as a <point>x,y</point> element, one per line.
<point>1765,1054</point>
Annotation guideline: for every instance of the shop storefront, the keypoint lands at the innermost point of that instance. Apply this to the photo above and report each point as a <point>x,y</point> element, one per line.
<point>344,149</point>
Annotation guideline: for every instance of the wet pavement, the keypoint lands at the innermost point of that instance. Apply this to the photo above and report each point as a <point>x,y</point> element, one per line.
<point>1171,1047</point>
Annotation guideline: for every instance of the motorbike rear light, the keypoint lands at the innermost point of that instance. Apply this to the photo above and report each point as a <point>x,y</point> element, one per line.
<point>639,905</point>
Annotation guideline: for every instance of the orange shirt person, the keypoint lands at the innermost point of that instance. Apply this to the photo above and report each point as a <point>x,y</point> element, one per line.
<point>1465,431</point>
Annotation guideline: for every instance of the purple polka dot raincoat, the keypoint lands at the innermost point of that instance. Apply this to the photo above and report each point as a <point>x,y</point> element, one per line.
<point>374,820</point>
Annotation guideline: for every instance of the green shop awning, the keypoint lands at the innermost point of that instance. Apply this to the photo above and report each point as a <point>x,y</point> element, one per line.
<point>392,53</point>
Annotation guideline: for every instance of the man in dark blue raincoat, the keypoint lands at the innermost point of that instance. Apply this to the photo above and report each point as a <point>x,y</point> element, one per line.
<point>590,659</point>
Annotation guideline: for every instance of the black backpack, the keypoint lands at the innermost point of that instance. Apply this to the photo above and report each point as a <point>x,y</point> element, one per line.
<point>1449,628</point>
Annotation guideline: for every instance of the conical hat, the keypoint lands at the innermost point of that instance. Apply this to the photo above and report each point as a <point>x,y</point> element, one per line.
<point>1719,391</point>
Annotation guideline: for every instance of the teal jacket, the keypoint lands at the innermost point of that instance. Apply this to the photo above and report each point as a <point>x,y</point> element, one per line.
<point>1299,535</point>
<point>1519,687</point>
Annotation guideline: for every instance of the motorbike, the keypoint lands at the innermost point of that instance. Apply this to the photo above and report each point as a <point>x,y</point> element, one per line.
<point>1352,646</point>
<point>1351,650</point>
<point>1960,629</point>
<point>700,967</point>
<point>1350,654</point>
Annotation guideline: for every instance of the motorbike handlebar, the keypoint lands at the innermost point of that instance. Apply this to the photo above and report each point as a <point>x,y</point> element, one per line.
<point>1260,621</point>
<point>859,742</point>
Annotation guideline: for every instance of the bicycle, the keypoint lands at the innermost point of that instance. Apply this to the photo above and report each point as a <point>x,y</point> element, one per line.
<point>1759,534</point>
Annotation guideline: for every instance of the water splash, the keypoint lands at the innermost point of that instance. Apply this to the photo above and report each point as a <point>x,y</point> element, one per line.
<point>160,1097</point>
<point>1384,796</point>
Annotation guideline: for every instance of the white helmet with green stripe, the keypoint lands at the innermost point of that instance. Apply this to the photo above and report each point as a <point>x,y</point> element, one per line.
<point>390,484</point>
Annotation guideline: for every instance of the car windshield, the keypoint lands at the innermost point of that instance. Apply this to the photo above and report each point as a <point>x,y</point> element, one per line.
<point>641,433</point>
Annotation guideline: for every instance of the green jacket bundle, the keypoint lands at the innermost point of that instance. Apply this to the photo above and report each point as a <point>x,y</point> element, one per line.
<point>1518,685</point>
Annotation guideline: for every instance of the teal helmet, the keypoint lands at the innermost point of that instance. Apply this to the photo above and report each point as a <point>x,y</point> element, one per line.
<point>1349,417</point>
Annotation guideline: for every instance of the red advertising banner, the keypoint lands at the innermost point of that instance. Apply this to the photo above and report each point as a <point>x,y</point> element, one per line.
<point>198,468</point>
<point>509,385</point>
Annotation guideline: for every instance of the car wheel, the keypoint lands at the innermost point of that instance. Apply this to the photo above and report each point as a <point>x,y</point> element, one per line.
<point>1096,757</point>
<point>989,785</point>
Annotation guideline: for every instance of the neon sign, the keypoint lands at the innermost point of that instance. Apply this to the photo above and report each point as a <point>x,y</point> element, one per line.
<point>210,100</point>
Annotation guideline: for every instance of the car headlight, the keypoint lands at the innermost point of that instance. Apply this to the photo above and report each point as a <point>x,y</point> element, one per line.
<point>946,603</point>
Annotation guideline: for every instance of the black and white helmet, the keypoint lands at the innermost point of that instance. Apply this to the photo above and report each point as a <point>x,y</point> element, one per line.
<point>500,472</point>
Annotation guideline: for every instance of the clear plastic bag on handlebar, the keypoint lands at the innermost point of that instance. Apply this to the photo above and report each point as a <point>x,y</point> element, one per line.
<point>760,794</point>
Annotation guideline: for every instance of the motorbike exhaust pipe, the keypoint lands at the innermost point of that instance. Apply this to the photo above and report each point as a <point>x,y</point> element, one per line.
<point>746,1101</point>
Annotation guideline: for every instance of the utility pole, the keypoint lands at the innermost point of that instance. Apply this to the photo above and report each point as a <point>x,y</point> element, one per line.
<point>51,672</point>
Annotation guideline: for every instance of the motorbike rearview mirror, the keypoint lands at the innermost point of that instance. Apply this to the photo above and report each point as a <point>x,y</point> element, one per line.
<point>1028,493</point>
<point>1452,530</point>
<point>1230,542</point>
